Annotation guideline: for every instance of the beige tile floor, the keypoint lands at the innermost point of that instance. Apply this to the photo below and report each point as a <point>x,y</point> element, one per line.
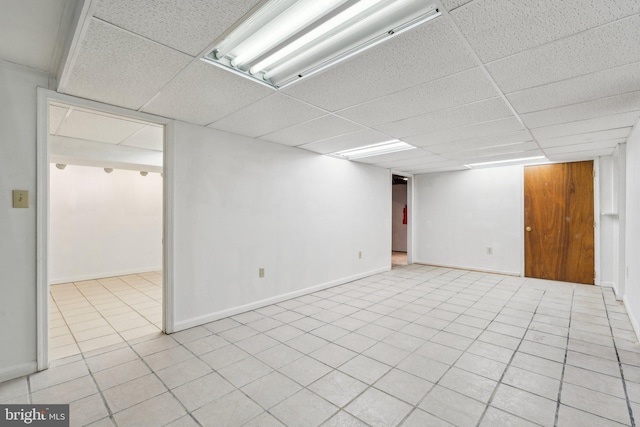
<point>415,346</point>
<point>398,259</point>
<point>87,315</point>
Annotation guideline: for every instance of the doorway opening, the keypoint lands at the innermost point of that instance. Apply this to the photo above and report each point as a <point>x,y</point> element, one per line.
<point>105,229</point>
<point>399,221</point>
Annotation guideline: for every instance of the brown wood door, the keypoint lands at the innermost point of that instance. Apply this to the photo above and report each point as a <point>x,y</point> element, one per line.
<point>558,219</point>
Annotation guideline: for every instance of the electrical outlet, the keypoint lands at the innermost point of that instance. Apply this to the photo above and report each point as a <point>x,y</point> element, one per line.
<point>360,254</point>
<point>489,250</point>
<point>261,272</point>
<point>20,199</point>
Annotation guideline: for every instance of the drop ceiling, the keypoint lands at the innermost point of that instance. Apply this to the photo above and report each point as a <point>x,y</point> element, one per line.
<point>488,80</point>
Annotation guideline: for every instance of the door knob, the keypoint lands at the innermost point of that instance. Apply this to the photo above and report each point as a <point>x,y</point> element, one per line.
<point>528,228</point>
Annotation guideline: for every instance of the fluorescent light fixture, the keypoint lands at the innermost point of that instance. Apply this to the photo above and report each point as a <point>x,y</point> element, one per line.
<point>522,160</point>
<point>373,150</point>
<point>287,40</point>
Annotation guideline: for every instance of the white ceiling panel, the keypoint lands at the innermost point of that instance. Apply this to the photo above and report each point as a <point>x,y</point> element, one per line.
<point>56,116</point>
<point>458,89</point>
<point>346,142</point>
<point>492,151</point>
<point>268,115</point>
<point>477,112</point>
<point>611,82</point>
<point>186,25</point>
<point>503,157</point>
<point>480,143</point>
<point>397,156</point>
<point>447,166</point>
<point>120,68</point>
<point>412,163</point>
<point>204,93</point>
<point>454,4</point>
<point>150,137</point>
<point>590,146</point>
<point>586,137</point>
<point>98,127</point>
<point>580,155</point>
<point>586,126</point>
<point>498,28</point>
<point>583,111</point>
<point>485,129</point>
<point>314,130</point>
<point>29,31</point>
<point>600,48</point>
<point>425,53</point>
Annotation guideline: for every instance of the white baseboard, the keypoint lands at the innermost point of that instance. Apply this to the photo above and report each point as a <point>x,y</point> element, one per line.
<point>632,318</point>
<point>201,320</point>
<point>57,281</point>
<point>463,267</point>
<point>607,284</point>
<point>17,371</point>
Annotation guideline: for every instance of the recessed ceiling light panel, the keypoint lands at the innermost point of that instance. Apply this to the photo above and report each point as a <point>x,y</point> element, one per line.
<point>373,150</point>
<point>287,40</point>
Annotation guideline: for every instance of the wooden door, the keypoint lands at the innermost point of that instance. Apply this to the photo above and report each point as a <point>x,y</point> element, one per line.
<point>559,224</point>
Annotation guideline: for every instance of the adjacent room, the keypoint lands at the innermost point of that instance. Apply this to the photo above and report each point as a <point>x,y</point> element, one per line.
<point>336,213</point>
<point>105,228</point>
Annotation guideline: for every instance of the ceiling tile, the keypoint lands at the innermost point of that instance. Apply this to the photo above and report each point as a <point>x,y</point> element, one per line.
<point>501,157</point>
<point>454,4</point>
<point>586,137</point>
<point>480,143</point>
<point>448,166</point>
<point>465,115</point>
<point>397,156</point>
<point>56,116</point>
<point>314,130</point>
<point>98,127</point>
<point>346,142</point>
<point>150,137</point>
<point>495,127</point>
<point>120,68</point>
<point>594,50</point>
<point>186,25</point>
<point>428,52</point>
<point>611,82</point>
<point>458,89</point>
<point>589,146</point>
<point>584,110</point>
<point>580,155</point>
<point>498,28</point>
<point>589,125</point>
<point>204,93</point>
<point>416,162</point>
<point>267,115</point>
<point>492,151</point>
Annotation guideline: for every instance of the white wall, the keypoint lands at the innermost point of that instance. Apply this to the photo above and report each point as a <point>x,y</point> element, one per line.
<point>103,224</point>
<point>398,229</point>
<point>18,226</point>
<point>241,204</point>
<point>459,214</point>
<point>632,238</point>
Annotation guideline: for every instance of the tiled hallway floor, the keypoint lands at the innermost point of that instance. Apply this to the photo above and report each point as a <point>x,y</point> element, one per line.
<point>398,259</point>
<point>87,315</point>
<point>415,346</point>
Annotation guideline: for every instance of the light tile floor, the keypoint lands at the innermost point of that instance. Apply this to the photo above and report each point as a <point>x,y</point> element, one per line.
<point>415,346</point>
<point>398,259</point>
<point>87,315</point>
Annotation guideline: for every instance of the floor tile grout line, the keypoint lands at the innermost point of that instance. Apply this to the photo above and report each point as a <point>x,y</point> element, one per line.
<point>564,362</point>
<point>615,346</point>
<point>508,364</point>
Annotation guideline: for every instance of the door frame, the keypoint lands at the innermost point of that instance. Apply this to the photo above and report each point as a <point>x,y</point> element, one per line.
<point>44,96</point>
<point>596,218</point>
<point>410,216</point>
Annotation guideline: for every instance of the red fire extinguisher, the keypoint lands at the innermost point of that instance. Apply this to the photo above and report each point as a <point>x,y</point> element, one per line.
<point>404,214</point>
